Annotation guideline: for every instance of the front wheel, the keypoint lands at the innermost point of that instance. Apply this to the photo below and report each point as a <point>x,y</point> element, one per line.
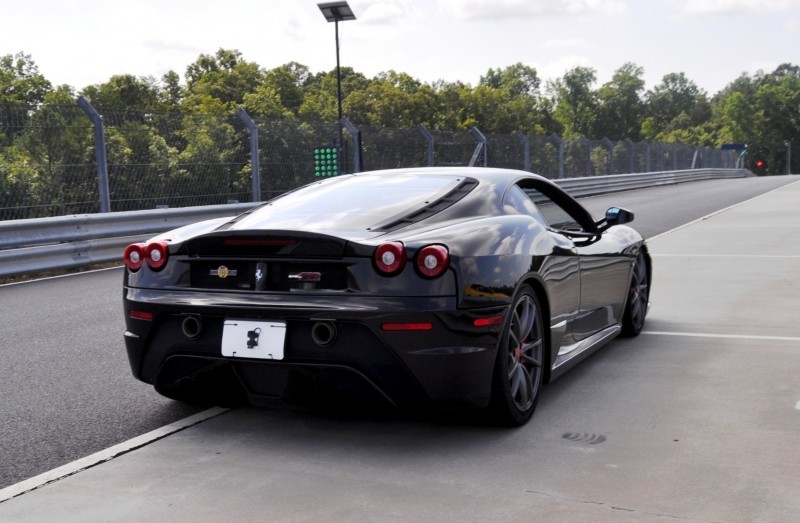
<point>519,371</point>
<point>638,299</point>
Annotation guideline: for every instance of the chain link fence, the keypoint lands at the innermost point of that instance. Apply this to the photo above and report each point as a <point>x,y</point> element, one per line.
<point>48,165</point>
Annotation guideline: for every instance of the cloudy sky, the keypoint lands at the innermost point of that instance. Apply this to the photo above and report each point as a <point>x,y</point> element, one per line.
<point>84,42</point>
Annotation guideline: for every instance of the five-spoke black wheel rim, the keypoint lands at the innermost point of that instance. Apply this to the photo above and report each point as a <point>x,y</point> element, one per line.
<point>639,293</point>
<point>524,349</point>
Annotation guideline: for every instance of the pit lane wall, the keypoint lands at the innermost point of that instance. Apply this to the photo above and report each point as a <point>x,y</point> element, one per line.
<point>83,240</point>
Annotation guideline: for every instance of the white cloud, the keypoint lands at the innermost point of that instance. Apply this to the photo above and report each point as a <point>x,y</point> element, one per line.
<point>556,68</point>
<point>711,7</point>
<point>505,9</point>
<point>565,43</point>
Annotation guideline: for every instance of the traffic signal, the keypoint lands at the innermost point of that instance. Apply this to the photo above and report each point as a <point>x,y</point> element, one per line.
<point>326,161</point>
<point>760,167</point>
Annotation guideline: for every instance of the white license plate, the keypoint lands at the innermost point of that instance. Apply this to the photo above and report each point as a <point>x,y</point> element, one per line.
<point>253,339</point>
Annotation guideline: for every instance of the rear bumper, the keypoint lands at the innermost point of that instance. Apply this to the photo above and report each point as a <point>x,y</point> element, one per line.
<point>451,364</point>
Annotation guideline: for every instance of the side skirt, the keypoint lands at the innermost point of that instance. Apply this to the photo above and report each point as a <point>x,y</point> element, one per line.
<point>571,355</point>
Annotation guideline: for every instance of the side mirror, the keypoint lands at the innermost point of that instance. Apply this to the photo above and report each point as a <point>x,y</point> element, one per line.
<point>615,216</point>
<point>618,216</point>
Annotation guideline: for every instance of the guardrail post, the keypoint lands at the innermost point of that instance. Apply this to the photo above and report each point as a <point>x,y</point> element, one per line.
<point>429,141</point>
<point>526,151</point>
<point>254,167</point>
<point>99,153</point>
<point>482,147</point>
<point>356,134</point>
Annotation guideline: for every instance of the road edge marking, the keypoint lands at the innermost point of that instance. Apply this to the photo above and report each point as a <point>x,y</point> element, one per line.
<point>59,276</point>
<point>105,455</point>
<point>794,339</point>
<point>711,215</point>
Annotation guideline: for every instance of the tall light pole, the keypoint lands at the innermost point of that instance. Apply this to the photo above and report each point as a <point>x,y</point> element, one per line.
<point>337,12</point>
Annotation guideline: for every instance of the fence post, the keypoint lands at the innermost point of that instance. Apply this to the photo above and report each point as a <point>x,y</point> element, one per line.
<point>610,146</point>
<point>482,147</point>
<point>256,178</point>
<point>526,149</point>
<point>429,141</point>
<point>556,138</point>
<point>99,153</point>
<point>356,143</point>
<point>631,156</point>
<point>585,141</point>
<point>674,157</point>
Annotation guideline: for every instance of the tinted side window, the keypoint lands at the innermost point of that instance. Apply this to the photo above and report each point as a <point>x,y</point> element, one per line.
<point>517,200</point>
<point>554,215</point>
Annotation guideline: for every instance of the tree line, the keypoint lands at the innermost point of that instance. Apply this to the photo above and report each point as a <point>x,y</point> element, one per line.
<point>761,110</point>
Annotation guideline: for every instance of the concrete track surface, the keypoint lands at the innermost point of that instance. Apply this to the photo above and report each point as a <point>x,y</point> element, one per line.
<point>697,419</point>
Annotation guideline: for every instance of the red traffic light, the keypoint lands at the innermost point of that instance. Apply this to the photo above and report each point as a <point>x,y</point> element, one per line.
<point>759,163</point>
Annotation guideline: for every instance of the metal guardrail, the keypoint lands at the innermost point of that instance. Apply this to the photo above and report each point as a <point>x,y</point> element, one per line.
<point>66,242</point>
<point>580,187</point>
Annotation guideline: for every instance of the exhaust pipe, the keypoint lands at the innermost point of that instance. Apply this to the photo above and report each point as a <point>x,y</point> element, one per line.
<point>323,333</point>
<point>192,327</point>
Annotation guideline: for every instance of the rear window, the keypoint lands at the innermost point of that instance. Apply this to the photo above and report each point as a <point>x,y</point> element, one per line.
<point>352,202</point>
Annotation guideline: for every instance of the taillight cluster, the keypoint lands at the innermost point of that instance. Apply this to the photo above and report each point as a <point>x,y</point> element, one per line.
<point>430,261</point>
<point>155,254</point>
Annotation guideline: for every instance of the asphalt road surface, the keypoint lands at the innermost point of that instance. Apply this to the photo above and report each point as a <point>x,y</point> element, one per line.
<point>65,385</point>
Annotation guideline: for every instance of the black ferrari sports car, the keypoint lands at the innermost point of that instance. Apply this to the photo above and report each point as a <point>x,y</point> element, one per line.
<point>452,287</point>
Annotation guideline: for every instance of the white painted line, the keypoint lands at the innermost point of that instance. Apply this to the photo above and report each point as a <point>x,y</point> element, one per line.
<point>707,216</point>
<point>693,255</point>
<point>751,226</point>
<point>797,406</point>
<point>72,274</point>
<point>725,336</point>
<point>106,455</point>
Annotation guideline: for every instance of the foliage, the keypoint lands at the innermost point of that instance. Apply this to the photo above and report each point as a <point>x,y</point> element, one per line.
<point>174,135</point>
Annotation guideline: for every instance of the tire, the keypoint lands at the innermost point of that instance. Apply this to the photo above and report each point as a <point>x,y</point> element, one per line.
<point>519,372</point>
<point>638,299</point>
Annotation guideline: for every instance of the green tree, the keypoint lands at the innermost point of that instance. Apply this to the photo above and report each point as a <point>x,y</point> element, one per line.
<point>674,105</point>
<point>21,82</point>
<point>516,80</point>
<point>621,109</point>
<point>575,101</point>
<point>22,88</point>
<point>171,92</point>
<point>124,91</point>
<point>288,82</point>
<point>225,77</point>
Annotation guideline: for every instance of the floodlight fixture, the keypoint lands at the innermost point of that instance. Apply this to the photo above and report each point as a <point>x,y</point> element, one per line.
<point>337,12</point>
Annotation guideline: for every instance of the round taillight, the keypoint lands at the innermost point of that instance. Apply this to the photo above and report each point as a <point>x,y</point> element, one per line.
<point>390,258</point>
<point>134,257</point>
<point>433,260</point>
<point>156,255</point>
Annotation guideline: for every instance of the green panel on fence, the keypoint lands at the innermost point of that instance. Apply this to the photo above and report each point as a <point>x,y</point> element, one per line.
<point>326,161</point>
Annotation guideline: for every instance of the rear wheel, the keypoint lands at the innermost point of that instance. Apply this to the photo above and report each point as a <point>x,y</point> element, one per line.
<point>518,372</point>
<point>638,299</point>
